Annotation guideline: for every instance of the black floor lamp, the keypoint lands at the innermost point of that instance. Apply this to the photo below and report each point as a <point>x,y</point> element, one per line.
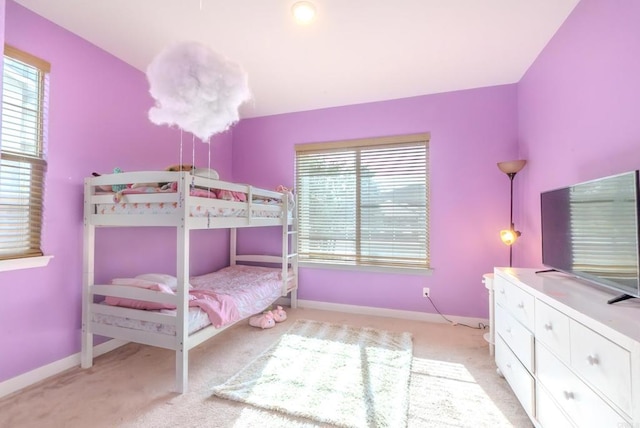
<point>509,236</point>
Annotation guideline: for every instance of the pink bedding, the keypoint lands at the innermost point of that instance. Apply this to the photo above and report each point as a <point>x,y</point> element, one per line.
<point>220,308</point>
<point>228,295</point>
<point>173,187</point>
<point>250,287</point>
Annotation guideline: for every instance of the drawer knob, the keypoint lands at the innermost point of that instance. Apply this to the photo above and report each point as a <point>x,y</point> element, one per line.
<point>568,395</point>
<point>508,330</point>
<point>521,305</point>
<point>593,360</point>
<point>548,326</point>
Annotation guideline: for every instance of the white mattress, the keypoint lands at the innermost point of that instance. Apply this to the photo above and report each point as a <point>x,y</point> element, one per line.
<point>253,289</point>
<point>168,208</point>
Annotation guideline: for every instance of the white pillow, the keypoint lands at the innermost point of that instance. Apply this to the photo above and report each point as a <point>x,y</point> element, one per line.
<point>160,278</point>
<point>206,173</point>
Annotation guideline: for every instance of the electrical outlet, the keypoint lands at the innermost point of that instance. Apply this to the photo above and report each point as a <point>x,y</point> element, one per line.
<point>426,292</point>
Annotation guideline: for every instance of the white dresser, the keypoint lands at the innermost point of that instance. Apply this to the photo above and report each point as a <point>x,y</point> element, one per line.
<point>571,359</point>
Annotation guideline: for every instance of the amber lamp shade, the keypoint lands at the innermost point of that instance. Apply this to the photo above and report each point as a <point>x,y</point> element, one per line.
<point>512,167</point>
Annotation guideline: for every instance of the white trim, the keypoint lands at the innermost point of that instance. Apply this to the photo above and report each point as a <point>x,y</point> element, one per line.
<point>24,263</point>
<point>366,268</point>
<point>41,373</point>
<point>27,379</point>
<point>390,313</point>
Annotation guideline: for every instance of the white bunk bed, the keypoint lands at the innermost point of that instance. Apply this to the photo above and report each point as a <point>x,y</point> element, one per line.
<point>181,206</point>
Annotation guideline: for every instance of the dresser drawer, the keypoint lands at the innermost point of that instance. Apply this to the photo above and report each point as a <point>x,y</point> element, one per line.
<point>517,376</point>
<point>579,402</point>
<point>603,364</point>
<point>548,414</point>
<point>515,335</point>
<point>518,302</point>
<point>552,329</point>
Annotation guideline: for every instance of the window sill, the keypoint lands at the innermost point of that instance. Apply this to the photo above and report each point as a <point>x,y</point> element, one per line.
<point>381,269</point>
<point>25,263</point>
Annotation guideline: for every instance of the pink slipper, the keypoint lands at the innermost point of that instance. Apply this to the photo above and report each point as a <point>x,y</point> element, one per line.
<point>279,314</point>
<point>263,321</point>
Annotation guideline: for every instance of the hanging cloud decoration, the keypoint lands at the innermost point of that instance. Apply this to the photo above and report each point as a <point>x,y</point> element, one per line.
<point>196,89</point>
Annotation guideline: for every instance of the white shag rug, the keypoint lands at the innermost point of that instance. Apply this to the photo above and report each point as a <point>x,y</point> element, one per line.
<point>330,373</point>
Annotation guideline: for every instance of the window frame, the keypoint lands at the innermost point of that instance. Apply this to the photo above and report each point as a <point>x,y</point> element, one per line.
<point>410,140</point>
<point>34,159</point>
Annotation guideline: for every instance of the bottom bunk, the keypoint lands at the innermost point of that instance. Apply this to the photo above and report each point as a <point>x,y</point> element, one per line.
<point>146,309</point>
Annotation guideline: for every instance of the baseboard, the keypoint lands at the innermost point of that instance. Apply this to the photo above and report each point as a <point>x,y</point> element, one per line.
<point>27,379</point>
<point>391,313</point>
<point>41,373</point>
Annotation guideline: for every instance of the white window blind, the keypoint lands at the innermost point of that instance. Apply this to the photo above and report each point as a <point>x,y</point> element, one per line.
<point>22,157</point>
<point>364,202</point>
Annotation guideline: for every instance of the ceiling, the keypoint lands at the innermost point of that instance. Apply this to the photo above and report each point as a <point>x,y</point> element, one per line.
<point>355,51</point>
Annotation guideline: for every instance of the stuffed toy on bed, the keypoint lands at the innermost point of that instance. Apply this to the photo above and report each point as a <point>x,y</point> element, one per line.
<point>178,167</point>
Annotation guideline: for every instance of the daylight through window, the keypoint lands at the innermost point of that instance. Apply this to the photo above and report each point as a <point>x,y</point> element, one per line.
<point>364,202</point>
<point>22,157</point>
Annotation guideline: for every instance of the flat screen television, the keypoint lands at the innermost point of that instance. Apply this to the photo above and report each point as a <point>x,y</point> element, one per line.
<point>590,230</point>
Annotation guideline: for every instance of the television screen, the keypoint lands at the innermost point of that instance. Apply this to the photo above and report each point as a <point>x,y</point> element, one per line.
<point>590,230</point>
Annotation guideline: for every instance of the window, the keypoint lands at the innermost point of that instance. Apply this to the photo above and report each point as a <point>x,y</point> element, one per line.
<point>364,202</point>
<point>22,157</point>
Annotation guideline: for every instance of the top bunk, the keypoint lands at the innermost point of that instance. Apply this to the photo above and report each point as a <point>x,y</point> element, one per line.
<point>171,198</point>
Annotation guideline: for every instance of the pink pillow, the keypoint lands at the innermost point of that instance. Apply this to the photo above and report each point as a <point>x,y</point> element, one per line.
<point>139,304</point>
<point>159,278</point>
<point>136,304</point>
<point>229,195</point>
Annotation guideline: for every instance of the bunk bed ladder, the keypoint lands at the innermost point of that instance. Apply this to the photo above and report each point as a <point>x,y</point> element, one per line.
<point>88,262</point>
<point>181,346</point>
<point>233,246</point>
<point>290,253</point>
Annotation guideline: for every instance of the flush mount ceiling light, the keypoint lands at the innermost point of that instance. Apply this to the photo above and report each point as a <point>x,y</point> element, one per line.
<point>303,12</point>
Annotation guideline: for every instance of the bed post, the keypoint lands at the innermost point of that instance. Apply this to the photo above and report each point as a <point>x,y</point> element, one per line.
<point>294,260</point>
<point>182,273</point>
<point>89,233</point>
<point>289,251</point>
<point>233,246</point>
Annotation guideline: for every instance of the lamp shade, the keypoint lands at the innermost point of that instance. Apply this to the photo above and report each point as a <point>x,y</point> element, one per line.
<point>512,167</point>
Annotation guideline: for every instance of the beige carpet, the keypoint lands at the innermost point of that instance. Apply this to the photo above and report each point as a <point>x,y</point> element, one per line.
<point>330,373</point>
<point>131,386</point>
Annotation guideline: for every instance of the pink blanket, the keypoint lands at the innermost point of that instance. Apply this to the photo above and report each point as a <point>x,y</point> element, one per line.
<point>226,296</point>
<point>220,308</point>
<point>193,191</point>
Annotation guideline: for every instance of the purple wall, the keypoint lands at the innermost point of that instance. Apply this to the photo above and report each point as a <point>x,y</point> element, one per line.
<point>98,120</point>
<point>579,108</point>
<point>572,117</point>
<point>470,131</point>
